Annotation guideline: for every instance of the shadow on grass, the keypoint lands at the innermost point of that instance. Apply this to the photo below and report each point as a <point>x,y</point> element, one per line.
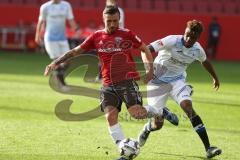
<point>15,109</point>
<point>21,64</point>
<point>209,101</point>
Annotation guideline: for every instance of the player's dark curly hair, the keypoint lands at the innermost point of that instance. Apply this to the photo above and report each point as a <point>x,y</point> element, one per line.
<point>110,9</point>
<point>195,26</point>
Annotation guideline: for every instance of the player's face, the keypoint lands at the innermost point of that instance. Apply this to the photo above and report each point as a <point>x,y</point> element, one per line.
<point>190,37</point>
<point>111,22</point>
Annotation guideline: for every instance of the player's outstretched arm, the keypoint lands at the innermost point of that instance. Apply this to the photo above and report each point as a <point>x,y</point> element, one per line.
<point>208,66</point>
<point>148,62</point>
<point>64,58</point>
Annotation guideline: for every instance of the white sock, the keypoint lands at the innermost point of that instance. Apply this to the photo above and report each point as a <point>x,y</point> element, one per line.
<point>116,133</point>
<point>152,111</point>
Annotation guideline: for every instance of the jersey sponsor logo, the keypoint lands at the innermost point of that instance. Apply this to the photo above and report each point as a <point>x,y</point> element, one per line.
<point>108,50</point>
<point>118,46</point>
<point>175,61</point>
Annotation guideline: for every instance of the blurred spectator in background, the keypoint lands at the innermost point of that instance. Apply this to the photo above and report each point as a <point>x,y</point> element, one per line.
<point>20,27</point>
<point>90,29</point>
<point>52,17</point>
<point>75,37</point>
<point>214,33</point>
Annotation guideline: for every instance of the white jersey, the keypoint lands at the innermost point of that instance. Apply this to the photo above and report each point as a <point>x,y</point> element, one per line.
<point>173,58</point>
<point>55,15</point>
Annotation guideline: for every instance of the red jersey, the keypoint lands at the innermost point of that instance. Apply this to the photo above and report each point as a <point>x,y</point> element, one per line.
<point>114,51</point>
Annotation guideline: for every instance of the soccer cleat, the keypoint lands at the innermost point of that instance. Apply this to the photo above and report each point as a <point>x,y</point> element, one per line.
<point>213,151</point>
<point>60,74</point>
<point>142,138</point>
<point>171,117</point>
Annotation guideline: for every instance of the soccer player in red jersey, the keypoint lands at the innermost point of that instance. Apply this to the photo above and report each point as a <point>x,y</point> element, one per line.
<point>114,46</point>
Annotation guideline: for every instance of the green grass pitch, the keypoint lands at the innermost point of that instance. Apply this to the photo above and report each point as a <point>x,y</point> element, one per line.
<point>30,130</point>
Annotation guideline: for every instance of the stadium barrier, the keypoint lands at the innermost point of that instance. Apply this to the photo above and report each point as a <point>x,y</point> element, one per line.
<point>148,25</point>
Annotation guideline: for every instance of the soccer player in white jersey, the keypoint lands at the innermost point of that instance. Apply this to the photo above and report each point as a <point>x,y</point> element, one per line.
<point>52,18</point>
<point>175,53</point>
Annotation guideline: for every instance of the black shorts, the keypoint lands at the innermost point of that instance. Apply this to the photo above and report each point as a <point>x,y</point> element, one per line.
<point>125,91</point>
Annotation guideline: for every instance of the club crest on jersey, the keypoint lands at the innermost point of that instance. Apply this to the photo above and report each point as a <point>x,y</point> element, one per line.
<point>118,40</point>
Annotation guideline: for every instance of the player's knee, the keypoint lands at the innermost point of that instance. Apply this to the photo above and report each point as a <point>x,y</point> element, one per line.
<point>112,116</point>
<point>157,124</point>
<point>137,112</point>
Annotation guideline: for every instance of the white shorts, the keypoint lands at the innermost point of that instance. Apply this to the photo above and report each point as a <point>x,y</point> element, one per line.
<point>56,48</point>
<point>157,94</point>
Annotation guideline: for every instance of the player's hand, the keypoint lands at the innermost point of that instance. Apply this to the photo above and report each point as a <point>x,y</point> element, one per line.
<point>39,40</point>
<point>216,84</point>
<point>148,77</point>
<point>49,68</point>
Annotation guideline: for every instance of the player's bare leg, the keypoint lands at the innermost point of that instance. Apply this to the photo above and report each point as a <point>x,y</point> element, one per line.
<point>199,128</point>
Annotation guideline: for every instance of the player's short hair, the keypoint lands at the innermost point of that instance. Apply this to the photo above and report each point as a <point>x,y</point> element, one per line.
<point>111,10</point>
<point>195,26</point>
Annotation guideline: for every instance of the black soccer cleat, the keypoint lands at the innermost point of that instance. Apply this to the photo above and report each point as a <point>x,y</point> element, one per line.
<point>171,117</point>
<point>143,136</point>
<point>213,151</point>
<point>60,74</point>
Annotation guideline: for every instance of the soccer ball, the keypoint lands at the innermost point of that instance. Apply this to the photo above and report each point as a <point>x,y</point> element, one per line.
<point>129,148</point>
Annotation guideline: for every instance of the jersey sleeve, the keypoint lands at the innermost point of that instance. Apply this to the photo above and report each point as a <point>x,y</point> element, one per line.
<point>137,42</point>
<point>88,43</point>
<point>163,43</point>
<point>202,55</point>
<point>69,12</point>
<point>43,13</point>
